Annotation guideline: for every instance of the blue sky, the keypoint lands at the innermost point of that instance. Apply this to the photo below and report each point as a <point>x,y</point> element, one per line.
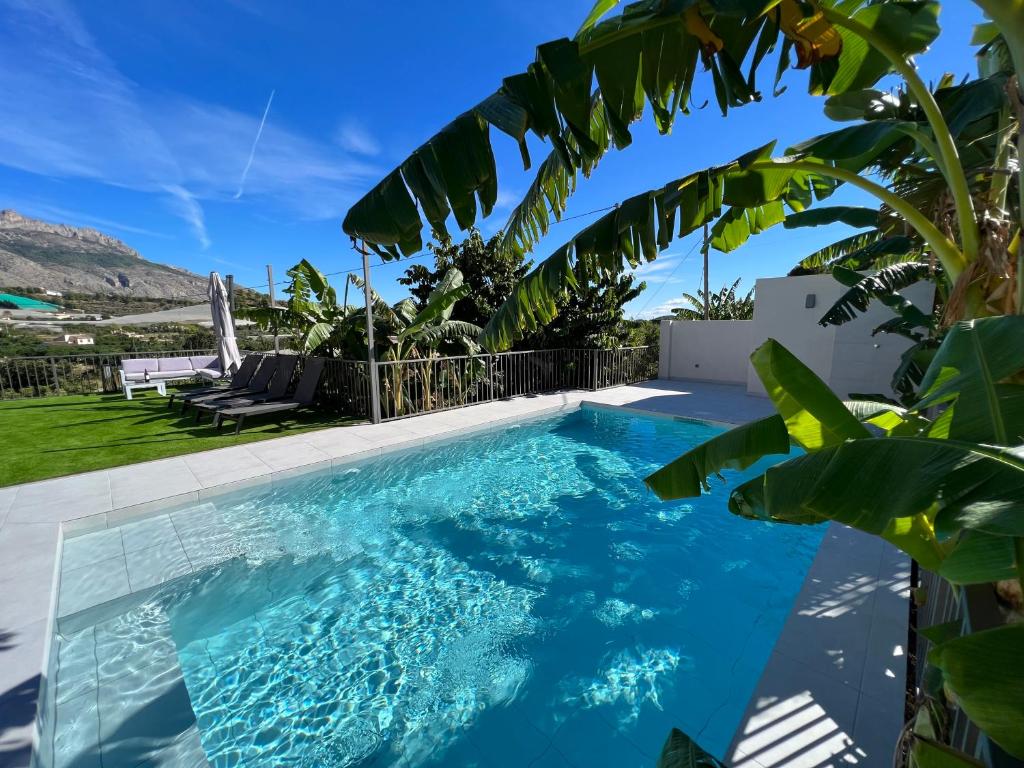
<point>141,120</point>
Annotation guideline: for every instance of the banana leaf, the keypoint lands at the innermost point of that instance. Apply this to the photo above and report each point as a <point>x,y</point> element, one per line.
<point>737,449</point>
<point>867,483</point>
<point>814,416</point>
<point>983,670</point>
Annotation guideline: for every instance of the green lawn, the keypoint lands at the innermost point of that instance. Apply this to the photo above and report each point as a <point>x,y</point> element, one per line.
<point>53,436</point>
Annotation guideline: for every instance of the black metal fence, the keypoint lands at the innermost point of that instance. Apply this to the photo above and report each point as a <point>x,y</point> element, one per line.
<point>411,387</point>
<point>407,387</point>
<point>71,374</point>
<point>974,607</point>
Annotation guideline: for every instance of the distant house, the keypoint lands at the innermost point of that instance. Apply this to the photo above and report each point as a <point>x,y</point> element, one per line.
<point>79,340</point>
<point>48,292</point>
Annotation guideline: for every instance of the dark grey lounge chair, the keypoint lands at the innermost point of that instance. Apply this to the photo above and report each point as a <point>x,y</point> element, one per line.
<point>305,394</point>
<point>238,382</point>
<point>278,389</point>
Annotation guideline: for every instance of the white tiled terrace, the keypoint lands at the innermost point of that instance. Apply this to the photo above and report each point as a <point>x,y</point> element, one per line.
<point>830,694</point>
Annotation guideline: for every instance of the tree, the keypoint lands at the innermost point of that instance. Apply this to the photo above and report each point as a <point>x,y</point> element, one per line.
<point>489,273</point>
<point>313,315</point>
<point>409,337</point>
<point>724,305</point>
<point>593,318</point>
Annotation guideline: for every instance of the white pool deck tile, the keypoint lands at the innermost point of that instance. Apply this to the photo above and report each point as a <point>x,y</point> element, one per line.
<point>831,692</point>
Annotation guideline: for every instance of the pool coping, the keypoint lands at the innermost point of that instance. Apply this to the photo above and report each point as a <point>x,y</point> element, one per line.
<point>79,504</point>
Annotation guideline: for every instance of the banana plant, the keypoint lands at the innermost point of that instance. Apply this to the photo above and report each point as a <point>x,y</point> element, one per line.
<point>410,337</point>
<point>649,54</point>
<point>723,305</point>
<point>582,94</point>
<point>946,486</point>
<point>313,315</point>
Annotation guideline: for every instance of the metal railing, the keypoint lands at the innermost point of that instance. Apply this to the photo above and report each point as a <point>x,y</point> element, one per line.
<point>411,387</point>
<point>974,608</point>
<point>71,374</point>
<point>407,387</point>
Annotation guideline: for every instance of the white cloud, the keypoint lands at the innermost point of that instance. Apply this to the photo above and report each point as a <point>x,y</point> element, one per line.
<point>185,205</point>
<point>59,215</point>
<point>665,308</point>
<point>353,136</point>
<point>68,112</point>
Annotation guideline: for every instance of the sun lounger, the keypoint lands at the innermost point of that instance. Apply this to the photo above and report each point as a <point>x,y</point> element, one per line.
<point>239,381</point>
<point>258,383</point>
<point>305,394</point>
<point>277,389</point>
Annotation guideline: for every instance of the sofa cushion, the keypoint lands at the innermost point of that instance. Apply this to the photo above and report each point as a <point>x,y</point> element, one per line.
<point>205,361</point>
<point>139,365</point>
<point>184,373</point>
<point>210,373</point>
<point>175,364</point>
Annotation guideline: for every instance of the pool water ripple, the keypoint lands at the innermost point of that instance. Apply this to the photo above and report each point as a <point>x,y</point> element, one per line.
<point>480,602</point>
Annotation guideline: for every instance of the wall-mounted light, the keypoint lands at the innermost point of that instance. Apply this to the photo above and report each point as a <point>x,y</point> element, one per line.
<point>810,301</point>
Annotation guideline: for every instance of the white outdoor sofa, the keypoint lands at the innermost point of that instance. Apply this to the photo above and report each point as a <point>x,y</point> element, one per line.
<point>155,372</point>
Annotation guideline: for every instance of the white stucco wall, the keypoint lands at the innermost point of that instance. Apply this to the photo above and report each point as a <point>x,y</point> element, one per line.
<point>847,357</point>
<point>713,350</point>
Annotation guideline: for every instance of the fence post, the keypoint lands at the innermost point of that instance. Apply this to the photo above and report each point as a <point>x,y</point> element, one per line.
<point>371,352</point>
<point>593,370</point>
<point>490,377</point>
<point>56,378</point>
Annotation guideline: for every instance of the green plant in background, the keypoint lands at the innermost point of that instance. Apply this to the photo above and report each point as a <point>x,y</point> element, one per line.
<point>723,305</point>
<point>312,315</point>
<point>409,337</point>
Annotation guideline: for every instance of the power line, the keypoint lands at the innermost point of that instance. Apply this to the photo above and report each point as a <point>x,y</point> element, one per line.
<point>413,257</point>
<point>670,276</point>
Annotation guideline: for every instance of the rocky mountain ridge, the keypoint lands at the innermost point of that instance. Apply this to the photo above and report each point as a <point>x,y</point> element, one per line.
<point>59,257</point>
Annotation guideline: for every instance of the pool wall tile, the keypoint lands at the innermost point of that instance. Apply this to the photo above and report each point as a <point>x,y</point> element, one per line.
<point>148,532</point>
<point>141,714</point>
<point>91,548</point>
<point>80,526</point>
<point>283,476</point>
<point>155,565</point>
<point>76,669</point>
<point>77,739</point>
<point>151,508</point>
<point>91,585</point>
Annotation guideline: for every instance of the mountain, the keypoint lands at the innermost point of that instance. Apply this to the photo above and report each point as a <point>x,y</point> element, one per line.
<point>38,254</point>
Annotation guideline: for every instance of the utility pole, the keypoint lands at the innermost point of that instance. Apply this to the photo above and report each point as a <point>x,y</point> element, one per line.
<point>273,303</point>
<point>371,354</point>
<point>704,250</point>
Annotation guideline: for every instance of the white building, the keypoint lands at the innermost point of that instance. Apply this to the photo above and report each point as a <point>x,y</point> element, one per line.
<point>846,357</point>
<point>79,340</point>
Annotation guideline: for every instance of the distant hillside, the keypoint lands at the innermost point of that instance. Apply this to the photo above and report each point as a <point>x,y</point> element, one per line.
<point>81,260</point>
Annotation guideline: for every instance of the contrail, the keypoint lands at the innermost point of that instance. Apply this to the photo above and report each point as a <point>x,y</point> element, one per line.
<point>252,152</point>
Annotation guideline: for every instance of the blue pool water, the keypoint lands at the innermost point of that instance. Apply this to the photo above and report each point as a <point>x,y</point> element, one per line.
<point>516,598</point>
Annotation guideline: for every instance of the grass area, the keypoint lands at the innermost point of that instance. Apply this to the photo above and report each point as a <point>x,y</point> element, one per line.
<point>53,436</point>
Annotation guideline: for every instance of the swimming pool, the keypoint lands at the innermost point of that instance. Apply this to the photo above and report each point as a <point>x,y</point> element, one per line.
<point>513,598</point>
